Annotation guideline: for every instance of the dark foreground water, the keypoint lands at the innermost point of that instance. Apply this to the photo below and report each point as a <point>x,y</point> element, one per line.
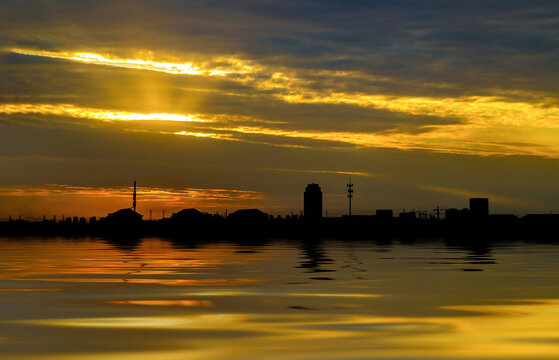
<point>155,299</point>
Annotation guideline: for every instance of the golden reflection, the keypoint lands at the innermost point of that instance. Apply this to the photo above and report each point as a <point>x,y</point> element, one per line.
<point>170,282</point>
<point>525,329</point>
<point>334,295</point>
<point>190,354</point>
<point>189,303</point>
<point>176,322</point>
<point>492,331</point>
<point>222,293</point>
<point>30,290</point>
<point>407,319</point>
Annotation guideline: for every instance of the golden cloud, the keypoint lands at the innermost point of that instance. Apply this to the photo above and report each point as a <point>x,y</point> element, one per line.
<point>93,114</point>
<point>487,125</point>
<point>475,138</point>
<point>185,68</point>
<point>147,193</point>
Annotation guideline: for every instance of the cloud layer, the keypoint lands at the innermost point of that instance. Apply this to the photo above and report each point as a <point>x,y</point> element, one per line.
<point>358,85</point>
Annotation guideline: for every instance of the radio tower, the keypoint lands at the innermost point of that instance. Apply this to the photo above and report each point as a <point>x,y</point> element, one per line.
<point>134,197</point>
<point>349,193</point>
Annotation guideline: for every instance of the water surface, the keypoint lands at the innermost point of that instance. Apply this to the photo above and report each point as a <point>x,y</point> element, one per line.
<point>158,299</point>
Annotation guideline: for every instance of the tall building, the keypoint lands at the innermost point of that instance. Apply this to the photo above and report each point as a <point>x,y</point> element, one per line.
<point>479,207</point>
<point>313,202</point>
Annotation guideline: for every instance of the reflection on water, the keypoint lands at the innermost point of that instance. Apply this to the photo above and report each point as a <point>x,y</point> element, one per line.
<point>166,302</point>
<point>158,299</point>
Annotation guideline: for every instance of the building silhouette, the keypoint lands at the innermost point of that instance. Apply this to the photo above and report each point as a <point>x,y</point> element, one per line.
<point>479,207</point>
<point>313,202</point>
<point>188,215</point>
<point>124,216</point>
<point>248,216</point>
<point>191,217</point>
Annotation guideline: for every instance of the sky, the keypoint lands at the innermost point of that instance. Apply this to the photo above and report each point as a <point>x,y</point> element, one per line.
<point>239,104</point>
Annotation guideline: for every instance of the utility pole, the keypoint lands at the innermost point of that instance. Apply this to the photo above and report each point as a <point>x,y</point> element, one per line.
<point>150,214</point>
<point>349,193</point>
<point>134,197</point>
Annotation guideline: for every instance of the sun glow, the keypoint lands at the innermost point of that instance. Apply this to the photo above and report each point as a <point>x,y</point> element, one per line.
<point>89,200</point>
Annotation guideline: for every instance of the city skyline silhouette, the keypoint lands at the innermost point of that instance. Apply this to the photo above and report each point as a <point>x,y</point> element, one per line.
<point>477,220</point>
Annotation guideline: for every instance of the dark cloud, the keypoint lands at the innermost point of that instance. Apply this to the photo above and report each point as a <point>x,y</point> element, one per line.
<point>441,41</point>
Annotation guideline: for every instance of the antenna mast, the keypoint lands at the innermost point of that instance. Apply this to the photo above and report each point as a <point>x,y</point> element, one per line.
<point>349,193</point>
<point>134,197</point>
